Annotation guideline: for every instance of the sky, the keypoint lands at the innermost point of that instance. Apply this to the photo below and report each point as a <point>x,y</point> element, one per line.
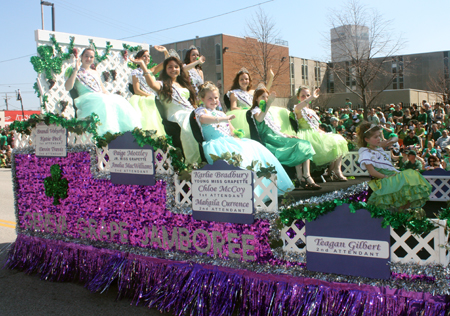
<point>304,24</point>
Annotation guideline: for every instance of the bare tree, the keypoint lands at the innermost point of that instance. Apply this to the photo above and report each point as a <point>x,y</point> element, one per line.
<point>438,83</point>
<point>363,52</point>
<point>259,54</point>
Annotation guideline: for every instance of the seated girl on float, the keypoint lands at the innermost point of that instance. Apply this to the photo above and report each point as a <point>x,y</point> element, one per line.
<point>221,137</point>
<point>143,98</point>
<point>289,150</point>
<point>116,114</point>
<point>391,188</point>
<point>178,98</point>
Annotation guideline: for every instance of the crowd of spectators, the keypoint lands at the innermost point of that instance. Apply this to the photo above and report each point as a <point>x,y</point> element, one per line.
<point>6,145</point>
<point>422,131</point>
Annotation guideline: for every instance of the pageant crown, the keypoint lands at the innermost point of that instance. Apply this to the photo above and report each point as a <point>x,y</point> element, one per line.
<point>261,86</point>
<point>192,47</point>
<point>173,53</point>
<point>243,71</point>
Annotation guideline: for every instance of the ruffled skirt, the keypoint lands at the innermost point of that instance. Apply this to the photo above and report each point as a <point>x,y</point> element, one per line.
<point>396,191</point>
<point>150,118</point>
<point>328,146</point>
<point>115,113</point>
<point>250,150</point>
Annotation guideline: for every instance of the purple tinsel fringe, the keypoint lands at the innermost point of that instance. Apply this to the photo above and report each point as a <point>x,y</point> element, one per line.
<point>182,287</point>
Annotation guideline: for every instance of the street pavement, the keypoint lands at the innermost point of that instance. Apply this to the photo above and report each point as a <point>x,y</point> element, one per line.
<point>22,294</point>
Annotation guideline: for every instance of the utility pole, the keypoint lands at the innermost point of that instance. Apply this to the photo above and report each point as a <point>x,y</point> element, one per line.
<point>46,3</point>
<point>6,101</point>
<point>19,98</point>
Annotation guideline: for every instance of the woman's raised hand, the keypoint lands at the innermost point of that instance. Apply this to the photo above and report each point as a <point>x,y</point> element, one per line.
<point>160,48</point>
<point>202,60</point>
<point>138,62</point>
<point>272,97</point>
<point>77,63</point>
<point>316,93</point>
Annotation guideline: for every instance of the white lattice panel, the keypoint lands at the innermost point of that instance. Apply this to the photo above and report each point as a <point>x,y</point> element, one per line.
<point>350,166</point>
<point>114,61</point>
<point>184,193</point>
<point>23,140</point>
<point>405,247</point>
<point>441,187</point>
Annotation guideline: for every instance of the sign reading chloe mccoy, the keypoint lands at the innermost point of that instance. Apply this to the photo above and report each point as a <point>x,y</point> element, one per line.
<point>224,193</point>
<point>51,141</point>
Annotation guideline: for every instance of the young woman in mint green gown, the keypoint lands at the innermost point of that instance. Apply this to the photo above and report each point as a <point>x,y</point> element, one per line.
<point>289,150</point>
<point>329,147</point>
<point>391,188</point>
<point>115,113</point>
<point>218,133</point>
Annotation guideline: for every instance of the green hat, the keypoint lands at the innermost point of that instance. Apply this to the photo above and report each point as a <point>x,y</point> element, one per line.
<point>412,152</point>
<point>391,109</point>
<point>345,117</point>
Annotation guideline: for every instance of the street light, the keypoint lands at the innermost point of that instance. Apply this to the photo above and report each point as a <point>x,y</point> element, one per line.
<point>19,98</point>
<point>46,3</point>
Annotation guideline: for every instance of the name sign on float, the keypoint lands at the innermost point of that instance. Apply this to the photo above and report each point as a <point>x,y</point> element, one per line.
<point>348,243</point>
<point>131,163</point>
<point>51,141</point>
<point>223,193</point>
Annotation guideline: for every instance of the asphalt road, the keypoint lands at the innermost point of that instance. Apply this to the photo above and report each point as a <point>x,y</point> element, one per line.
<point>23,294</point>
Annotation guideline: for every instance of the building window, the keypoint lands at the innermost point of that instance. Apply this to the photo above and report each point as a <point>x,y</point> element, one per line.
<point>218,54</point>
<point>330,81</point>
<point>292,71</point>
<point>303,71</point>
<point>218,76</point>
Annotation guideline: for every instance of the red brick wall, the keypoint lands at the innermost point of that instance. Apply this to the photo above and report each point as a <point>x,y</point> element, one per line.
<point>234,59</point>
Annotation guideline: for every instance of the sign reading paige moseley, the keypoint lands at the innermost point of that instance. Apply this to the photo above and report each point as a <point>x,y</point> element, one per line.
<point>131,163</point>
<point>222,193</point>
<point>51,141</point>
<point>348,243</point>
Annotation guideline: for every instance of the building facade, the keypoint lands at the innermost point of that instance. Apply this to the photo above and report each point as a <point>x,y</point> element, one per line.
<point>226,55</point>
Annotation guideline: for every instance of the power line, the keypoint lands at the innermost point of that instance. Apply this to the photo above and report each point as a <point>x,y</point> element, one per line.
<point>4,61</point>
<point>212,17</point>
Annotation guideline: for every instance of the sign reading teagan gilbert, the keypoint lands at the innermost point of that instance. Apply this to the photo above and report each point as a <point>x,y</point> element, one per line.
<point>222,193</point>
<point>51,141</point>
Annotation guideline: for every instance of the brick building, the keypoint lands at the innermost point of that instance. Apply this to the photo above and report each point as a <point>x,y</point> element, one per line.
<point>226,55</point>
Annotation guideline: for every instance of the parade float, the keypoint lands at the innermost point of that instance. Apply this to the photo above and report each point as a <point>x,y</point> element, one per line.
<point>120,209</point>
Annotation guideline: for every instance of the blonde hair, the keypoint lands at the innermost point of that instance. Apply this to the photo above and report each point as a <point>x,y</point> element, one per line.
<point>205,88</point>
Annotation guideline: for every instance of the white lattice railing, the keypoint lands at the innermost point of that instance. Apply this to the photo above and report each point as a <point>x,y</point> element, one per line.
<point>350,166</point>
<point>265,200</point>
<point>440,181</point>
<point>73,139</point>
<point>405,247</point>
<point>115,61</point>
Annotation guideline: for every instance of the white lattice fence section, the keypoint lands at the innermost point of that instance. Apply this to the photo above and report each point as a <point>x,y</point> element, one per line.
<point>405,247</point>
<point>114,62</point>
<point>440,181</point>
<point>266,197</point>
<point>73,139</point>
<point>350,166</point>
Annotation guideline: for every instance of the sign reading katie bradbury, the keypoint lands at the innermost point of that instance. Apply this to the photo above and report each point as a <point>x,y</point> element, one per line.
<point>222,193</point>
<point>130,163</point>
<point>51,141</point>
<point>348,243</point>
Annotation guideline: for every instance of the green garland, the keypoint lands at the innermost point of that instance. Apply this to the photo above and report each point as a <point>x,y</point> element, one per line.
<point>132,48</point>
<point>99,58</point>
<point>416,223</point>
<point>63,56</point>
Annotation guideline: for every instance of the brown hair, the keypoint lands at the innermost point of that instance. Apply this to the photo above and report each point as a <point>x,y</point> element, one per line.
<point>187,57</point>
<point>236,85</point>
<point>299,90</point>
<point>364,131</point>
<point>86,49</point>
<point>140,54</point>
<point>182,79</point>
<point>256,95</point>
